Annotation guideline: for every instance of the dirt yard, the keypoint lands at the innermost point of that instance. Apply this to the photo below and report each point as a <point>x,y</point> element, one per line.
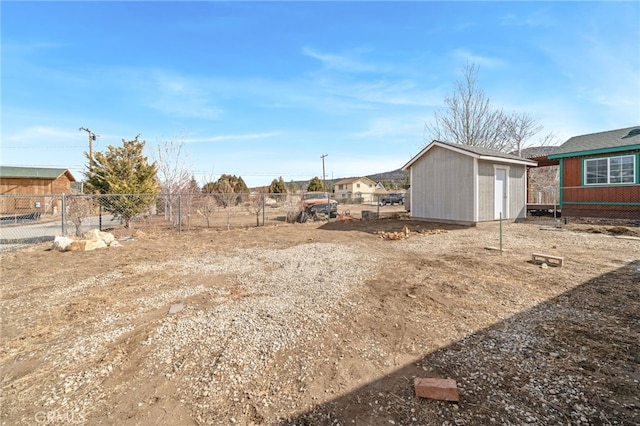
<point>325,323</point>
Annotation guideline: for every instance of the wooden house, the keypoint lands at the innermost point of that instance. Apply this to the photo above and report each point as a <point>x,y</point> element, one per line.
<point>467,184</point>
<point>600,174</point>
<point>32,189</point>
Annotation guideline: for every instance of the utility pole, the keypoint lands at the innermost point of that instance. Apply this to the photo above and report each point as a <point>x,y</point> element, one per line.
<point>324,181</point>
<point>92,137</point>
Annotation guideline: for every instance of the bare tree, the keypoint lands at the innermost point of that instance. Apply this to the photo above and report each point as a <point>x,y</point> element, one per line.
<point>188,195</point>
<point>208,201</point>
<point>254,204</point>
<point>522,128</point>
<point>173,174</point>
<point>228,198</point>
<point>79,207</point>
<point>207,206</point>
<point>469,118</point>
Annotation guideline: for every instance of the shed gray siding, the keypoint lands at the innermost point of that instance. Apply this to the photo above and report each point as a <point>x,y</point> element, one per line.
<point>453,183</point>
<point>486,187</point>
<point>516,190</point>
<point>443,182</point>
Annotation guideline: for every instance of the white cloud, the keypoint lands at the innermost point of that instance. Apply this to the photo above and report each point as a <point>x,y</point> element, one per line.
<point>39,133</point>
<point>482,61</point>
<point>391,128</point>
<point>343,63</point>
<point>539,18</point>
<point>181,97</point>
<point>22,47</point>
<point>232,137</point>
<point>598,75</point>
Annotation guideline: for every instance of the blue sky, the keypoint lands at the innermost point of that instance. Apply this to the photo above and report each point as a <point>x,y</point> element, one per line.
<point>263,89</point>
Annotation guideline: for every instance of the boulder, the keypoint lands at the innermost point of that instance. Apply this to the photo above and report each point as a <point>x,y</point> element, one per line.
<point>86,245</point>
<point>95,234</point>
<point>61,243</point>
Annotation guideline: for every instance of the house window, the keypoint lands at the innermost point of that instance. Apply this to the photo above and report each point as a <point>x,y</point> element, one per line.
<point>357,185</point>
<point>611,170</point>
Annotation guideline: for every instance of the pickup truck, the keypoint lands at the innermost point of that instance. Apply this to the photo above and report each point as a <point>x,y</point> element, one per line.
<point>317,205</point>
<point>395,198</point>
<point>310,198</point>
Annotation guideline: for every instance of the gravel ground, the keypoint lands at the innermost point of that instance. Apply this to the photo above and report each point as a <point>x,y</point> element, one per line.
<point>326,323</point>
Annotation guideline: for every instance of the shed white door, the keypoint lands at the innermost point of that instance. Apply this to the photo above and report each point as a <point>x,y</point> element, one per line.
<point>500,193</point>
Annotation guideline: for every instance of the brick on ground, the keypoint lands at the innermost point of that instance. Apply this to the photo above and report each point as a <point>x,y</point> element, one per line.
<point>435,388</point>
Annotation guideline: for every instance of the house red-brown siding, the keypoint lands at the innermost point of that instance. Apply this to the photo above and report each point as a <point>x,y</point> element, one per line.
<point>575,192</point>
<point>572,171</point>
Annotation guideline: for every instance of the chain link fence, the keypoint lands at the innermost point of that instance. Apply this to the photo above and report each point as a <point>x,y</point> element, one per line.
<point>596,203</point>
<point>620,202</point>
<point>26,219</point>
<point>35,218</point>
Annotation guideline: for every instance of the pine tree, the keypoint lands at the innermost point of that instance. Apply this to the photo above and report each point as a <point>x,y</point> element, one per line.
<point>125,173</point>
<point>315,184</point>
<point>209,188</point>
<point>278,187</point>
<point>231,183</point>
<point>230,189</point>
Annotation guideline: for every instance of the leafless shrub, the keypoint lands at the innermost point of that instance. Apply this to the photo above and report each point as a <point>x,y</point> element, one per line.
<point>79,207</point>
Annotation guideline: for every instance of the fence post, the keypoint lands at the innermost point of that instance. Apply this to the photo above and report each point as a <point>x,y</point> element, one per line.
<point>263,206</point>
<point>179,213</point>
<point>500,233</point>
<point>63,207</point>
<point>99,214</point>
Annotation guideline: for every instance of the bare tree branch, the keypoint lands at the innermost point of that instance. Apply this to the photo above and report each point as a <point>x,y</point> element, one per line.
<point>469,118</point>
<point>173,175</point>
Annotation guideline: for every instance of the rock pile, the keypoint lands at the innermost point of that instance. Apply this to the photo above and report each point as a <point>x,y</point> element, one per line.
<point>93,239</point>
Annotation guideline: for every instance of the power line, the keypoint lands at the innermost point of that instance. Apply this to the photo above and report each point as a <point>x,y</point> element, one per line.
<point>31,147</point>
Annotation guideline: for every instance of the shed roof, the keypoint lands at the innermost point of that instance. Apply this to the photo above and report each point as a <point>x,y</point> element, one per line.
<point>601,142</point>
<point>34,173</point>
<point>478,152</point>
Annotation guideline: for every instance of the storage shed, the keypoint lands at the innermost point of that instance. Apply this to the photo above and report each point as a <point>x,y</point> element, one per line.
<point>32,189</point>
<point>467,184</point>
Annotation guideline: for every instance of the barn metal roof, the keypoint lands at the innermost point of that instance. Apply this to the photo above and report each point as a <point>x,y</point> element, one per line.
<point>34,173</point>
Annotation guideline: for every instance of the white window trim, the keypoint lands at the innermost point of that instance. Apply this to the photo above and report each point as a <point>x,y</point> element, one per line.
<point>584,170</point>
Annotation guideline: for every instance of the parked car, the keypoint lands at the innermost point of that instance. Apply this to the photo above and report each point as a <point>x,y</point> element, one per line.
<point>395,198</point>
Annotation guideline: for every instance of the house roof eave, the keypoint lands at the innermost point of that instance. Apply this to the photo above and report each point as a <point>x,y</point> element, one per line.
<point>595,151</point>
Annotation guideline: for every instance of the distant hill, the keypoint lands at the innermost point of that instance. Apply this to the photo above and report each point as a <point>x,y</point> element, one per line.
<point>398,178</point>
